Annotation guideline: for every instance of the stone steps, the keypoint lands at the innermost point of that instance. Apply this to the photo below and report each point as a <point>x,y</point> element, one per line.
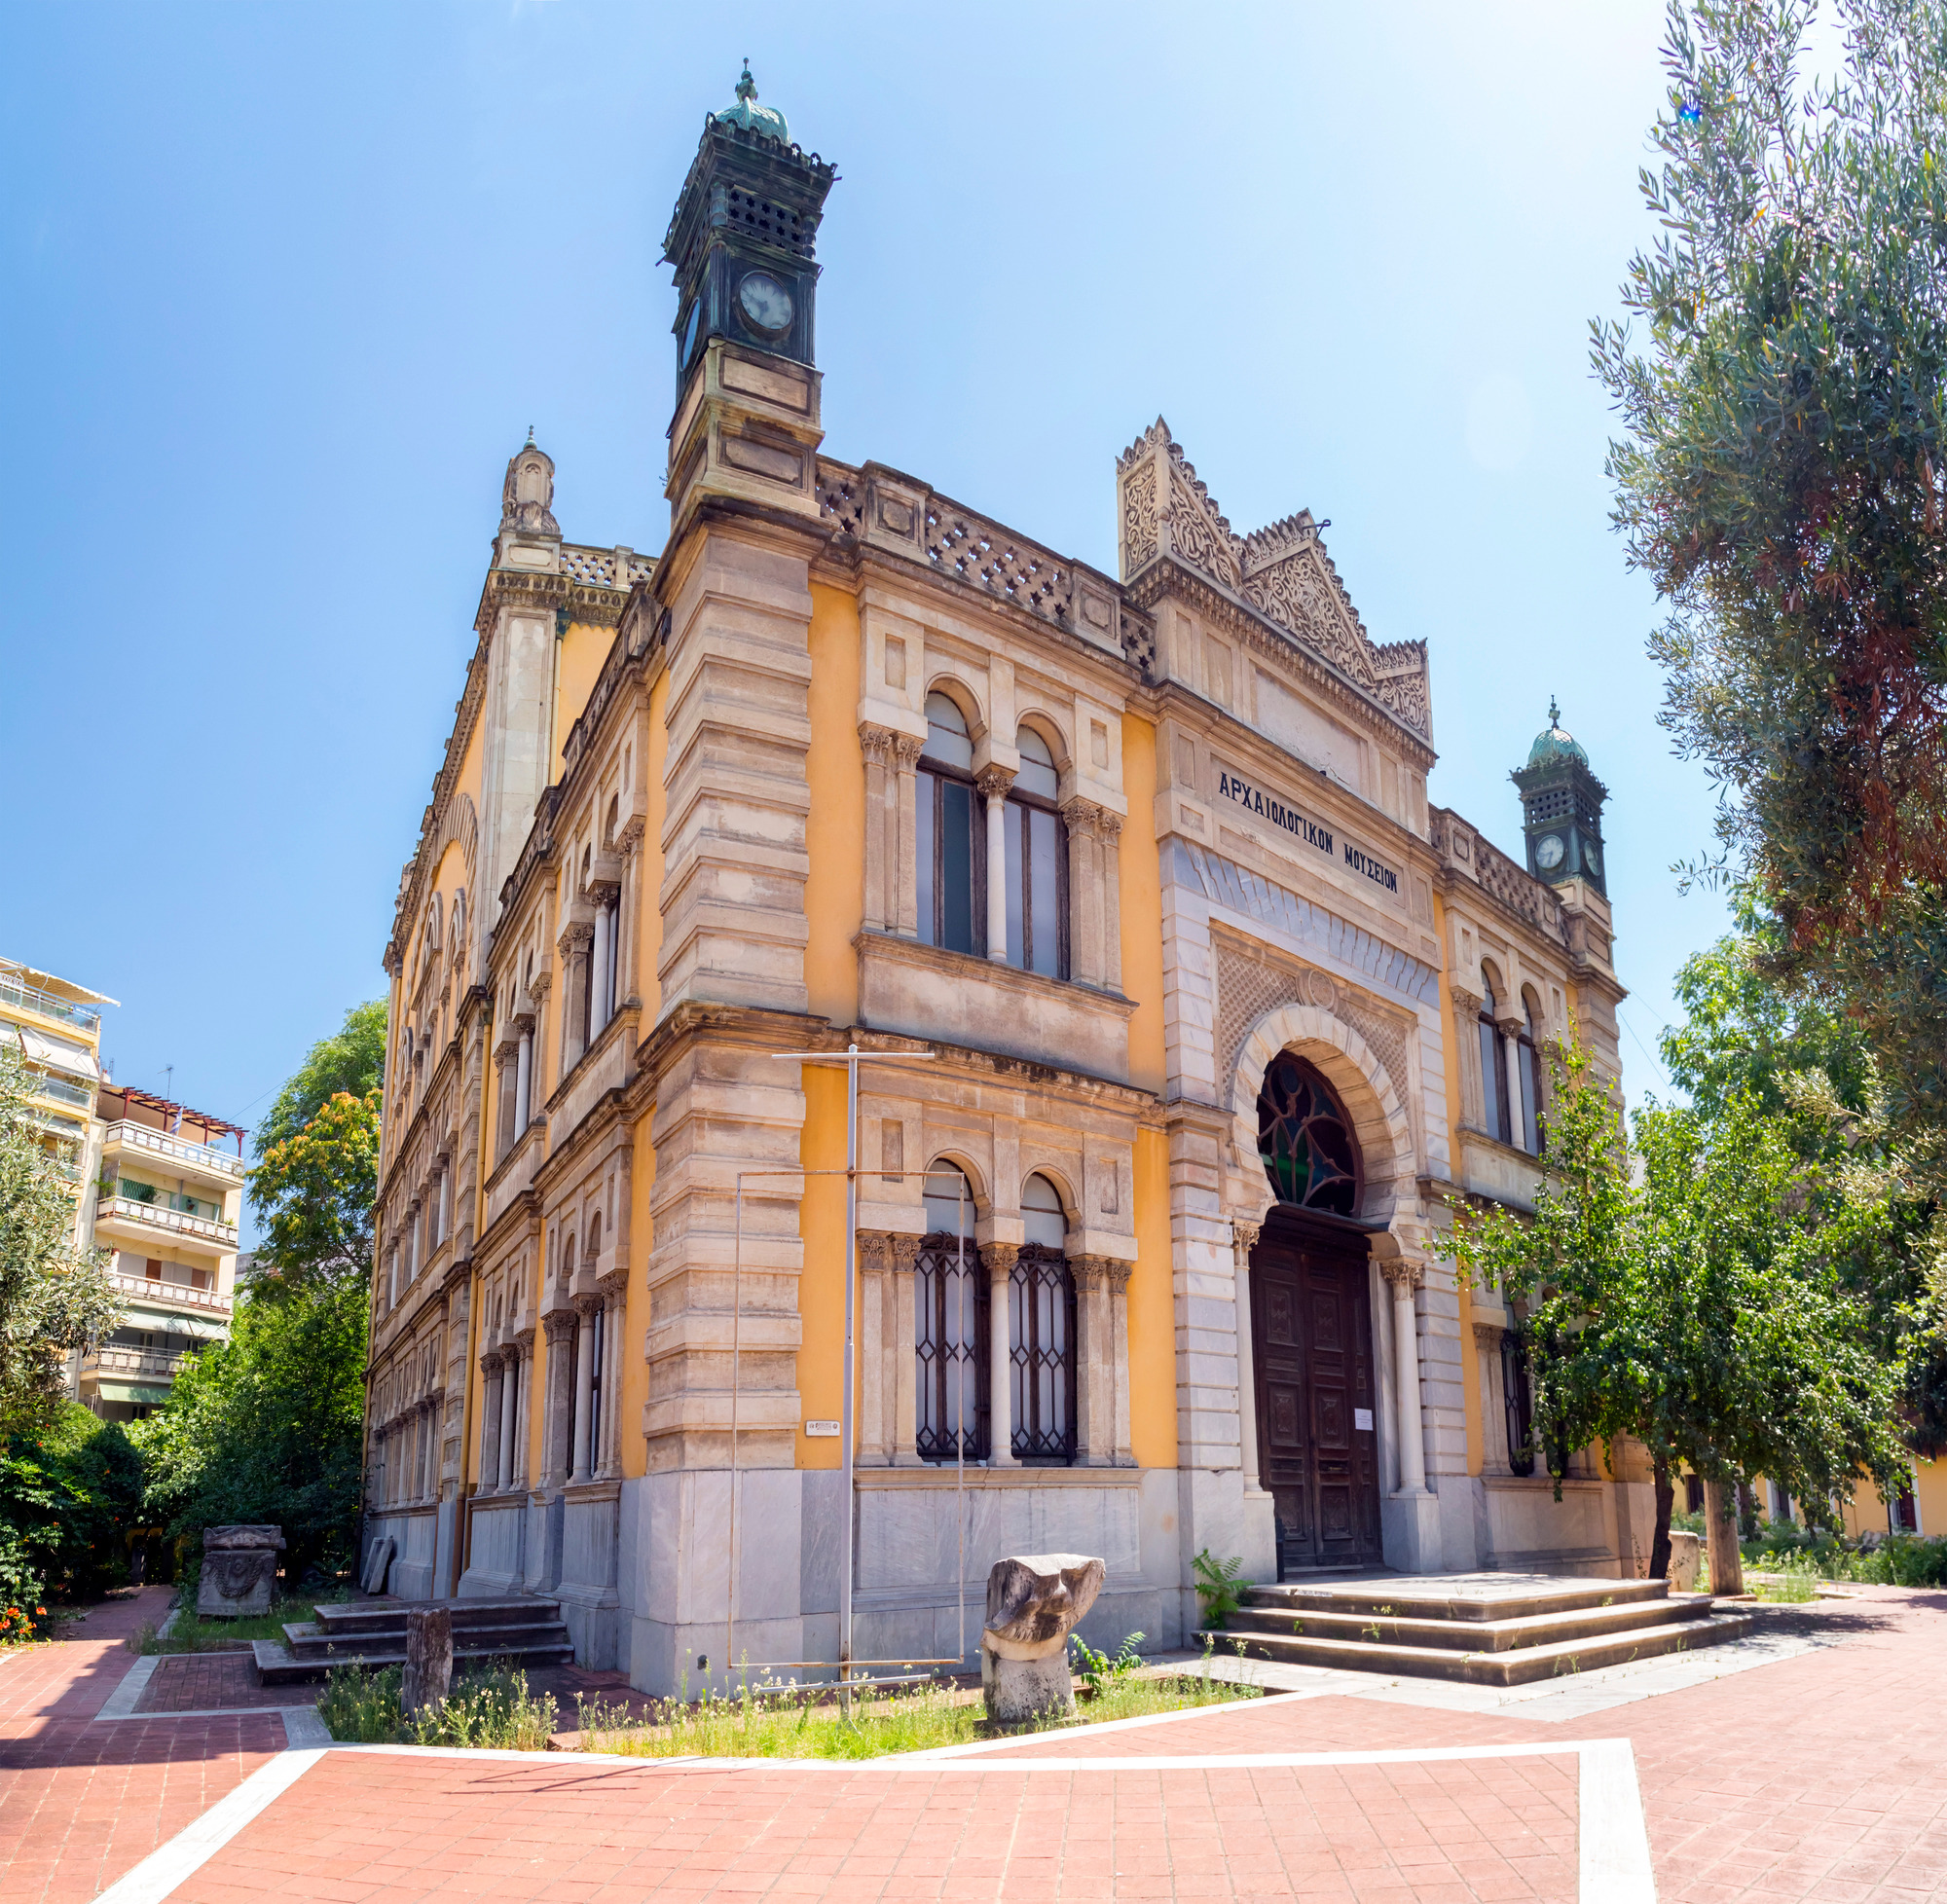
<point>372,1633</point>
<point>1482,1630</point>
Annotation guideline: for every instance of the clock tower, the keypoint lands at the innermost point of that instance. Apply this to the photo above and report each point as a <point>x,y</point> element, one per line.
<point>743,243</point>
<point>1562,805</point>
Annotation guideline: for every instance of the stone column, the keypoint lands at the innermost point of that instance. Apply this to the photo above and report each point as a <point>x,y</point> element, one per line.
<point>999,1261</point>
<point>993,783</point>
<point>598,995</point>
<point>1467,1044</point>
<point>615,1288</point>
<point>1084,907</point>
<point>905,1355</point>
<point>905,759</point>
<point>1094,1363</point>
<point>524,1407</point>
<point>1119,1332</point>
<point>510,1403</point>
<point>1404,1277</point>
<point>1109,827</point>
<point>881,823</point>
<point>585,1308</point>
<point>558,1398</point>
<point>1245,1239</point>
<point>524,1080</point>
<point>1510,1030</point>
<point>1494,1450</point>
<point>874,1366</point>
<point>490,1386</point>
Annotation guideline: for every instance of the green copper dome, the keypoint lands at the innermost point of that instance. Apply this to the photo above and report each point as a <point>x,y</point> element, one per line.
<point>751,115</point>
<point>1555,742</point>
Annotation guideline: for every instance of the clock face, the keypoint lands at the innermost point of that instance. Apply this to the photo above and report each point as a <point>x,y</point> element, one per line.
<point>1592,856</point>
<point>690,329</point>
<point>1547,852</point>
<point>766,301</point>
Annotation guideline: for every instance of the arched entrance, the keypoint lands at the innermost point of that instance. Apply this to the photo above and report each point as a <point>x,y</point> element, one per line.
<point>1312,1328</point>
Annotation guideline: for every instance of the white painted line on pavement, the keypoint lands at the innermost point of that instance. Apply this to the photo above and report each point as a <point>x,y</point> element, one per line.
<point>120,1702</point>
<point>186,1853</point>
<point>1613,1833</point>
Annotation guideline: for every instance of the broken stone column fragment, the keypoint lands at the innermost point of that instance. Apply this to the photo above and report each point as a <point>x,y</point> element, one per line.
<point>1034,1602</point>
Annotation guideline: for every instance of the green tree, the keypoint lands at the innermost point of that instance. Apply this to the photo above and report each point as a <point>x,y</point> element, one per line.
<point>54,1297</point>
<point>70,1491</point>
<point>1782,478</point>
<point>313,1193</point>
<point>352,1059</point>
<point>1701,1300</point>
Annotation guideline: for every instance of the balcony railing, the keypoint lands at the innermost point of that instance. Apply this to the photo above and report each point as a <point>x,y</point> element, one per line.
<point>31,997</point>
<point>179,1149</point>
<point>174,1296</point>
<point>132,1362</point>
<point>63,1090</point>
<point>158,1216</point>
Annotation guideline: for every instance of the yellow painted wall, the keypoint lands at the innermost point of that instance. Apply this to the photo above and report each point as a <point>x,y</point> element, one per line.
<point>1866,1511</point>
<point>634,1361</point>
<point>1153,1309</point>
<point>578,657</point>
<point>821,1292</point>
<point>1142,924</point>
<point>650,887</point>
<point>834,890</point>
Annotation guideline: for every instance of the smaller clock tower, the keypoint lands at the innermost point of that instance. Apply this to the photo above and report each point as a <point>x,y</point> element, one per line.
<point>743,241</point>
<point>1562,805</point>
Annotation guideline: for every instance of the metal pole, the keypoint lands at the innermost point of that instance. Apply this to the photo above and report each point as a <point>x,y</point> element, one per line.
<point>736,1350</point>
<point>845,1426</point>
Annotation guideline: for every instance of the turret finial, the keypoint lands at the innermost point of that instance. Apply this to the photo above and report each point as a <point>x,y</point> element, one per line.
<point>1554,713</point>
<point>747,86</point>
<point>530,436</point>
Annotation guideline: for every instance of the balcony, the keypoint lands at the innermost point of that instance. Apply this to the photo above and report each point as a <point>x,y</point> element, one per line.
<point>63,1090</point>
<point>134,1363</point>
<point>23,996</point>
<point>173,1297</point>
<point>206,1159</point>
<point>149,1220</point>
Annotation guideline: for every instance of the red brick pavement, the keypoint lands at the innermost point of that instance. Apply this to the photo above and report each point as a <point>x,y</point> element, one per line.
<point>388,1827</point>
<point>80,1803</point>
<point>208,1682</point>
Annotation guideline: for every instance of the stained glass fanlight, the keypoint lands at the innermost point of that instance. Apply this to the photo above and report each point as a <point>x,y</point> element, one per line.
<point>1305,1139</point>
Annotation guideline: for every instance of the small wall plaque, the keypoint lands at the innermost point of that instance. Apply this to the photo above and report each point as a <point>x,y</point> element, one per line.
<point>1362,1418</point>
<point>820,1428</point>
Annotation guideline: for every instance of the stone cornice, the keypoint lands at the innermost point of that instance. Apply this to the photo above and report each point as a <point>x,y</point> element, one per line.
<point>1167,576</point>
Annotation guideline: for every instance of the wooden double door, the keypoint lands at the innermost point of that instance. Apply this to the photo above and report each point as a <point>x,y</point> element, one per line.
<point>1311,1351</point>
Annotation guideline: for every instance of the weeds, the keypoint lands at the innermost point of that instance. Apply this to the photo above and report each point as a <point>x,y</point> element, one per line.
<point>1097,1670</point>
<point>487,1708</point>
<point>1220,1587</point>
<point>192,1633</point>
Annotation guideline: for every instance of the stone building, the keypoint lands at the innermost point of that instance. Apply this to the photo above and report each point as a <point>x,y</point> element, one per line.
<point>1187,1015</point>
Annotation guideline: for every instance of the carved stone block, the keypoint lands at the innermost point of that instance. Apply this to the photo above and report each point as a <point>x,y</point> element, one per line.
<point>1034,1602</point>
<point>429,1675</point>
<point>1686,1560</point>
<point>240,1570</point>
<point>377,1558</point>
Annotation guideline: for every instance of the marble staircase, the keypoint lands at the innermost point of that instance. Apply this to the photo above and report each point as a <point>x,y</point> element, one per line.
<point>525,1629</point>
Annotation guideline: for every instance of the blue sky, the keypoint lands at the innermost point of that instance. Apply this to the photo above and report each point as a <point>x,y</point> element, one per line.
<point>281,289</point>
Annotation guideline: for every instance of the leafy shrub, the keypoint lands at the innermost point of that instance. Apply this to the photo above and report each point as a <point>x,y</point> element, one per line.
<point>1220,1588</point>
<point>1903,1561</point>
<point>21,1613</point>
<point>71,1491</point>
<point>491,1708</point>
<point>1098,1671</point>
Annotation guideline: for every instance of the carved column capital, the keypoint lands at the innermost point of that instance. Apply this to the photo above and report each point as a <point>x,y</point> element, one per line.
<point>1000,1260</point>
<point>875,1250</point>
<point>1117,1273</point>
<point>907,751</point>
<point>1091,1273</point>
<point>1083,816</point>
<point>994,782</point>
<point>1467,1001</point>
<point>1108,825</point>
<point>905,1253</point>
<point>586,1305</point>
<point>489,1363</point>
<point>876,740</point>
<point>1403,1272</point>
<point>1488,1335</point>
<point>558,1322</point>
<point>1245,1239</point>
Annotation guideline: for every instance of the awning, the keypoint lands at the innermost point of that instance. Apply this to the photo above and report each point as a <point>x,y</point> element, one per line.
<point>59,1053</point>
<point>128,1391</point>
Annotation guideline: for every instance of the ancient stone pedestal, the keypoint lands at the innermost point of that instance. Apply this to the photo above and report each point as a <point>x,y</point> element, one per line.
<point>1034,1602</point>
<point>428,1675</point>
<point>240,1570</point>
<point>1686,1561</point>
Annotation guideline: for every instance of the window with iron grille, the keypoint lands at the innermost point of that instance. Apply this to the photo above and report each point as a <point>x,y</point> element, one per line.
<point>1041,1333</point>
<point>1519,1401</point>
<point>951,1327</point>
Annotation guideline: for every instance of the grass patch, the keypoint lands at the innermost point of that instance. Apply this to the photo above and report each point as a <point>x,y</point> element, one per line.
<point>192,1633</point>
<point>793,1722</point>
<point>489,1708</point>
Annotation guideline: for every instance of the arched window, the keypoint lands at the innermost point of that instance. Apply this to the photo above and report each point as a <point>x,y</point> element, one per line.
<point>949,840</point>
<point>950,1324</point>
<point>1037,863</point>
<point>1527,1049</point>
<point>1498,1121</point>
<point>1305,1139</point>
<point>1041,1331</point>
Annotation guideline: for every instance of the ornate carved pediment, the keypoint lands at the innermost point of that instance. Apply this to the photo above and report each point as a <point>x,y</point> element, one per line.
<point>1282,574</point>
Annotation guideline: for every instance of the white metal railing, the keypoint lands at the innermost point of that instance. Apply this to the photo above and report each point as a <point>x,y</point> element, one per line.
<point>62,1090</point>
<point>160,1143</point>
<point>158,1216</point>
<point>31,997</point>
<point>132,1362</point>
<point>174,1296</point>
